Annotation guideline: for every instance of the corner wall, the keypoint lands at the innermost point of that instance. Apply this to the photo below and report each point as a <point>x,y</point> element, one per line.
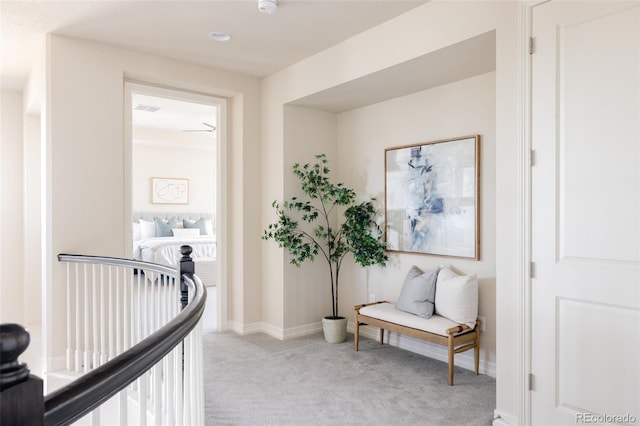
<point>11,208</point>
<point>308,132</point>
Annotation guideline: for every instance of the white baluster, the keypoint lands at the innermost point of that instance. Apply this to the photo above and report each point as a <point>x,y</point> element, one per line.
<point>86,321</point>
<point>77,318</point>
<point>123,409</point>
<point>110,318</point>
<point>187,381</point>
<point>94,317</point>
<point>125,317</point>
<point>104,325</point>
<point>170,387</point>
<point>68,352</point>
<point>142,398</point>
<point>94,417</point>
<point>179,384</point>
<point>157,394</point>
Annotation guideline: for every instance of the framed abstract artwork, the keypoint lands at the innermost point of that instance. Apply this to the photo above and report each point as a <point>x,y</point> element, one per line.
<point>169,190</point>
<point>432,194</point>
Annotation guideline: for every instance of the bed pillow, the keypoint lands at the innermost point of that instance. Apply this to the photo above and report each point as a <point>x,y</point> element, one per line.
<point>457,297</point>
<point>164,228</point>
<point>147,229</point>
<point>182,232</point>
<point>201,224</point>
<point>137,231</point>
<point>418,292</point>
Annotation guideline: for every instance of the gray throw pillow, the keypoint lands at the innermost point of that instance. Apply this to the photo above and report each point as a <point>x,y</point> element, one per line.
<point>200,224</point>
<point>165,229</point>
<point>418,294</point>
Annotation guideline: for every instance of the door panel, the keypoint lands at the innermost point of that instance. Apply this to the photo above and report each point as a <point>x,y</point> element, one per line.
<point>586,210</point>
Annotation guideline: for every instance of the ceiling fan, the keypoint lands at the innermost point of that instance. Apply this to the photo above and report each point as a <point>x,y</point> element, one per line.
<point>211,129</point>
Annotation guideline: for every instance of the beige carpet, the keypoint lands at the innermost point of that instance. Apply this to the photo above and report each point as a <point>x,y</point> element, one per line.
<point>259,380</point>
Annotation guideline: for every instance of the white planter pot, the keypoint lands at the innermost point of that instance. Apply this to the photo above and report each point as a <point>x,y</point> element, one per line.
<point>335,330</point>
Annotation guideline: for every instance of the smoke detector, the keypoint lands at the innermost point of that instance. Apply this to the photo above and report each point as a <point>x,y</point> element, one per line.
<point>268,6</point>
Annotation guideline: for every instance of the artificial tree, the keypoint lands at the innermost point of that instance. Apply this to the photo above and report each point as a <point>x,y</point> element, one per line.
<point>357,233</point>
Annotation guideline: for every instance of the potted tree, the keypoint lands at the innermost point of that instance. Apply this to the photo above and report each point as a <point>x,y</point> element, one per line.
<point>311,228</point>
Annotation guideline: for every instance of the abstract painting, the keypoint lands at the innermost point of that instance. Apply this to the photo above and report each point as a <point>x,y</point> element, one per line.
<point>432,198</point>
<point>169,191</point>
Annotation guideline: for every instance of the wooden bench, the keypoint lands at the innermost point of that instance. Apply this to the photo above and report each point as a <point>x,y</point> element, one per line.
<point>437,329</point>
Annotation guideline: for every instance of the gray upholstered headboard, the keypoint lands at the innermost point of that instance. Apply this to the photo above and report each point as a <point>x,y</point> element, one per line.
<point>167,215</point>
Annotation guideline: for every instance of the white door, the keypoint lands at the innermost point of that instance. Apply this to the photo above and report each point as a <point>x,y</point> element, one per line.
<point>586,216</point>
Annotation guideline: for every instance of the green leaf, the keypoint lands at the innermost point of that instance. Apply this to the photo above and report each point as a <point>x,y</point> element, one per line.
<point>356,231</point>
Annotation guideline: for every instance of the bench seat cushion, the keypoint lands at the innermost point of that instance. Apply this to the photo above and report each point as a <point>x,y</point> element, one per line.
<point>388,312</point>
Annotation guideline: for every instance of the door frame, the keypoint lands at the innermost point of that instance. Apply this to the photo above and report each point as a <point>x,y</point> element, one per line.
<point>526,50</point>
<point>134,86</point>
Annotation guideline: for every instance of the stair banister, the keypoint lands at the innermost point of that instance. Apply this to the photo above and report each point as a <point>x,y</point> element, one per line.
<point>21,397</point>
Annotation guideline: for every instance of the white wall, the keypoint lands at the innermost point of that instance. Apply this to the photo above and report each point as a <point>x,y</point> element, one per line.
<point>32,289</point>
<point>151,159</point>
<point>308,133</point>
<point>459,109</point>
<point>11,207</point>
<point>85,154</point>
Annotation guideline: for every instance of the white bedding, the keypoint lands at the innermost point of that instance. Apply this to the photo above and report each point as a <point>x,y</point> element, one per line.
<point>166,250</point>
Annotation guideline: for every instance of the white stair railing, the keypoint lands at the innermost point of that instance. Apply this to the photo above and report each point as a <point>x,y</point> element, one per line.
<point>117,306</point>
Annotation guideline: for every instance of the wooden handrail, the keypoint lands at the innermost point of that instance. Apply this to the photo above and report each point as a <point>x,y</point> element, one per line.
<point>116,261</point>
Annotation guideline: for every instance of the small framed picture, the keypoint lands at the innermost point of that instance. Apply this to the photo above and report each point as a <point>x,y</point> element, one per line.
<point>169,190</point>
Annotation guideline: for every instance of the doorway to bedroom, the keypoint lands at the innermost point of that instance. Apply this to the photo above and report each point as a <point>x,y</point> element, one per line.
<point>174,162</point>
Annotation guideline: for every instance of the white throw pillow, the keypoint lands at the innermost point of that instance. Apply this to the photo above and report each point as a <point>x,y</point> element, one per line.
<point>147,229</point>
<point>457,297</point>
<point>137,232</point>
<point>186,232</point>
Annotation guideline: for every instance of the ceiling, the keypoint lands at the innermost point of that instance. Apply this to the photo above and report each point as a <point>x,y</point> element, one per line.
<point>459,61</point>
<point>172,114</point>
<point>261,44</point>
<point>157,120</point>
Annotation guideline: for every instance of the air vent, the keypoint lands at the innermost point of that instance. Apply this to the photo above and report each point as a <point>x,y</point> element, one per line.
<point>147,108</point>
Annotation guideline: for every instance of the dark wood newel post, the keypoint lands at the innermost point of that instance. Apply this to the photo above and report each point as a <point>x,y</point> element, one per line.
<point>186,267</point>
<point>21,394</point>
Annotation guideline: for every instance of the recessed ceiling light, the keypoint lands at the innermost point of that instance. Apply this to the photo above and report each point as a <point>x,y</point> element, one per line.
<point>268,6</point>
<point>219,36</point>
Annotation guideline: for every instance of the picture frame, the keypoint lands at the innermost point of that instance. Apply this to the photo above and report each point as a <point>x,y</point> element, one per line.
<point>432,198</point>
<point>169,190</point>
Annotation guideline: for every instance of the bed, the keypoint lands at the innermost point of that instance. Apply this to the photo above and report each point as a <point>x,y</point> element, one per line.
<point>157,238</point>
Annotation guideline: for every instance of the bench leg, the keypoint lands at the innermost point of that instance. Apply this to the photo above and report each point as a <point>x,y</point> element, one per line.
<point>476,350</point>
<point>451,353</point>
<point>382,336</point>
<point>356,334</point>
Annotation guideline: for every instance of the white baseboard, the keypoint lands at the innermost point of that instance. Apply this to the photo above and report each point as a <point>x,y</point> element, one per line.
<point>503,419</point>
<point>243,329</point>
<point>273,331</point>
<point>302,330</point>
<point>257,327</point>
